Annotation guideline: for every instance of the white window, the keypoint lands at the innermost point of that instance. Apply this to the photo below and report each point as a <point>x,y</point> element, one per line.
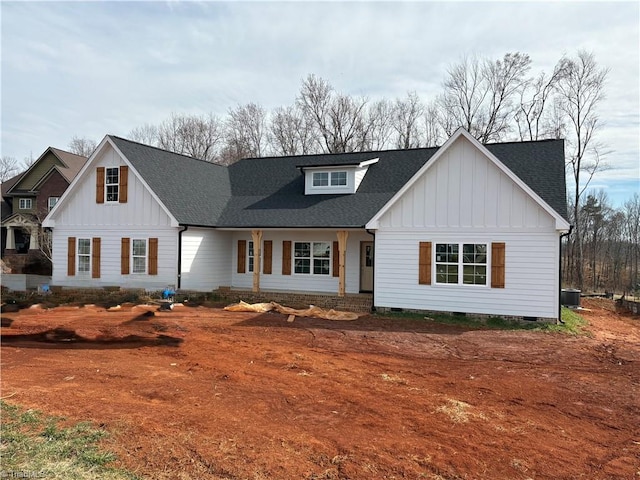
<point>334,179</point>
<point>84,255</point>
<point>111,183</point>
<point>461,263</point>
<point>52,202</point>
<point>338,179</point>
<point>25,204</point>
<point>320,179</point>
<point>139,255</point>
<point>312,258</point>
<point>250,253</point>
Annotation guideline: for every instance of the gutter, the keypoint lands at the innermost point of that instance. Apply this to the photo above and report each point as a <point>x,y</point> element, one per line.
<point>560,321</point>
<point>373,289</point>
<point>186,227</point>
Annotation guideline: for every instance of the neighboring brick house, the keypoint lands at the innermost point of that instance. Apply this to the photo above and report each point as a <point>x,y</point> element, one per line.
<point>26,200</point>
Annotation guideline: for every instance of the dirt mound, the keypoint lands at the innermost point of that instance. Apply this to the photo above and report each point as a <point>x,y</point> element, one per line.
<point>204,393</point>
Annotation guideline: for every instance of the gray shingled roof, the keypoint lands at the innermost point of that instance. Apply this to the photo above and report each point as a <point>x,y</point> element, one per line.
<point>194,191</point>
<point>269,192</point>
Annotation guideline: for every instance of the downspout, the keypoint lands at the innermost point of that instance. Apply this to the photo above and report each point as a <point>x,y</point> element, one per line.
<point>373,286</point>
<point>560,274</point>
<point>186,227</point>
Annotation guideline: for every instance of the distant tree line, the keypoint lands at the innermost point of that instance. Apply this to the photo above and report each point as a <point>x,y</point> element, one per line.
<point>611,246</point>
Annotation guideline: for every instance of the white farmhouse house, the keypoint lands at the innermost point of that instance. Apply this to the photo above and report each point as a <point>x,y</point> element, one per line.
<point>464,227</point>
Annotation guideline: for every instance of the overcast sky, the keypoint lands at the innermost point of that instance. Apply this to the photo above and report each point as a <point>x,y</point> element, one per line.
<point>94,68</point>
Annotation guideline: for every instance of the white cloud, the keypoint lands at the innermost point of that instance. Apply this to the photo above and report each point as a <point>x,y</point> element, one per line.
<point>91,68</point>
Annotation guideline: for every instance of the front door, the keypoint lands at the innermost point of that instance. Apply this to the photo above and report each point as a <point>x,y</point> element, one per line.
<point>366,266</point>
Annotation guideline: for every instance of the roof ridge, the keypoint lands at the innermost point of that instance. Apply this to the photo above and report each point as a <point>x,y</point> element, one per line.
<point>67,152</point>
<point>166,151</point>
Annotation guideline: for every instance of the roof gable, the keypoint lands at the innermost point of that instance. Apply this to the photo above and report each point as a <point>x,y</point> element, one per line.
<point>539,167</point>
<point>67,163</point>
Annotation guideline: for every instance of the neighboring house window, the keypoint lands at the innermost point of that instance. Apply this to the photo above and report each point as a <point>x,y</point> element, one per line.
<point>84,255</point>
<point>468,268</point>
<point>112,181</point>
<point>312,258</point>
<point>52,202</point>
<point>139,255</point>
<point>324,179</point>
<point>25,204</point>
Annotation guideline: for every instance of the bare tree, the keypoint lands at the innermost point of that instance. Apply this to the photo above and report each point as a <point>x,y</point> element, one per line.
<point>192,135</point>
<point>406,116</point>
<point>432,132</point>
<point>579,91</point>
<point>289,132</point>
<point>246,131</point>
<point>82,146</point>
<point>379,125</point>
<point>147,134</point>
<point>8,168</point>
<point>478,95</point>
<point>338,120</point>
<point>534,118</point>
<point>632,233</point>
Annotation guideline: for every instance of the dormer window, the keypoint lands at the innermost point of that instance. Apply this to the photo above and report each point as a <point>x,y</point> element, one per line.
<point>338,179</point>
<point>334,179</point>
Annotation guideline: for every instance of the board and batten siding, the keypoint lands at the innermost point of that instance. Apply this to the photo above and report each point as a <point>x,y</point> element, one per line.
<point>141,217</point>
<point>206,259</point>
<point>465,198</point>
<point>110,262</point>
<point>141,209</point>
<point>300,282</point>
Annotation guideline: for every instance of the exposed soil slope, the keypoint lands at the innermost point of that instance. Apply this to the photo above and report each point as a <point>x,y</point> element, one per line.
<point>202,393</point>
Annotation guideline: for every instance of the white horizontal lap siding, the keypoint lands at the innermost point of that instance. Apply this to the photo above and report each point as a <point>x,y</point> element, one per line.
<point>300,282</point>
<point>530,275</point>
<point>464,198</point>
<point>81,208</point>
<point>206,259</point>
<point>110,263</point>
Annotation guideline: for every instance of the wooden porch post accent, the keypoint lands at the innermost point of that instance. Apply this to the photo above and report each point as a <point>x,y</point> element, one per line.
<point>95,258</point>
<point>256,236</point>
<point>342,249</point>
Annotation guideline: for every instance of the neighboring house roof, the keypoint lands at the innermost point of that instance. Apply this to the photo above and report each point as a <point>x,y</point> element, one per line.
<point>269,192</point>
<point>70,165</point>
<point>5,208</point>
<point>73,163</point>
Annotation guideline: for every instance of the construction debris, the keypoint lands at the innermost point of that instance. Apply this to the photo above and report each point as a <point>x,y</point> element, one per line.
<point>312,311</point>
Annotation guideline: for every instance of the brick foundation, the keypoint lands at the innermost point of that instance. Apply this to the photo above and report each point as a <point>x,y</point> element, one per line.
<point>360,303</point>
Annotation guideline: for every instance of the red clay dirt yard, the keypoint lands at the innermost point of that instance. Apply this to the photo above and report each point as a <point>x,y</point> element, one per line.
<point>198,392</point>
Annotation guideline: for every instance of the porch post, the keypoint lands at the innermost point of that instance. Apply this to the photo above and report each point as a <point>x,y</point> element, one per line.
<point>256,236</point>
<point>342,250</point>
<point>10,244</point>
<point>33,242</point>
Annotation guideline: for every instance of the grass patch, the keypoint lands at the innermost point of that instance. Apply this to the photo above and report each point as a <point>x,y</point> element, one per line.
<point>573,323</point>
<point>33,445</point>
